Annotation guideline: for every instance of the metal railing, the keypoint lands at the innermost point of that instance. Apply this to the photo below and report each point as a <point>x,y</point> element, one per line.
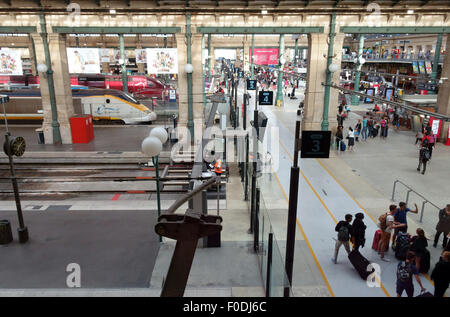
<point>425,200</point>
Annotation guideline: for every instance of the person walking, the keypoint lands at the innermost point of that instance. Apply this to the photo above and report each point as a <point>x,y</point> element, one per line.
<point>358,128</point>
<point>339,136</point>
<point>351,138</point>
<point>386,224</point>
<point>441,275</point>
<point>443,226</point>
<point>383,124</point>
<point>428,141</point>
<point>400,217</point>
<point>424,156</point>
<point>405,271</point>
<point>345,231</point>
<point>359,231</point>
<point>419,246</point>
<point>370,127</point>
<point>364,128</point>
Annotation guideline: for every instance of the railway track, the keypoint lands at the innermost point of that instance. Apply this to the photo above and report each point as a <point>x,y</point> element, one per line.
<point>49,180</point>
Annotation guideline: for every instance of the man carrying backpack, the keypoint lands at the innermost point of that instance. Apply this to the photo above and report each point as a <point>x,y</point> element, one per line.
<point>405,271</point>
<point>400,216</point>
<point>424,155</point>
<point>387,224</point>
<point>344,230</point>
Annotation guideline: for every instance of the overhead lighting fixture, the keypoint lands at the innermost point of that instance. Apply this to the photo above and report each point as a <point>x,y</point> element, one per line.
<point>264,11</point>
<point>112,11</point>
<point>410,11</point>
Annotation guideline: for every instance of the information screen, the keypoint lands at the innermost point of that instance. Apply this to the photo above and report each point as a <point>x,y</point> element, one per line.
<point>266,98</point>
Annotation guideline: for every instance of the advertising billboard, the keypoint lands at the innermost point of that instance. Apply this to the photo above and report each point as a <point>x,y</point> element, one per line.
<point>422,67</point>
<point>141,56</point>
<point>11,62</point>
<point>415,67</point>
<point>83,60</point>
<point>265,56</point>
<point>162,61</point>
<point>428,67</point>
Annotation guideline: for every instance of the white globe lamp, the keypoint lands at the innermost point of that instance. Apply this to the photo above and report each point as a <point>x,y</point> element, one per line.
<point>151,146</point>
<point>362,60</point>
<point>42,68</point>
<point>333,68</point>
<point>188,68</point>
<point>160,133</point>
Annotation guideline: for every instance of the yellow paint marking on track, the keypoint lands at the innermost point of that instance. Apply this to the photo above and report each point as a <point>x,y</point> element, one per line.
<point>307,241</point>
<point>328,211</point>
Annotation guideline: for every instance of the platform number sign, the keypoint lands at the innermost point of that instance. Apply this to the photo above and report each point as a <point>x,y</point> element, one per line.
<point>266,98</point>
<point>315,144</point>
<point>241,74</point>
<point>251,84</point>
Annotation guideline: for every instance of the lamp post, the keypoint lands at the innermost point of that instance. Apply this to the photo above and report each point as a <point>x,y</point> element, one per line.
<point>152,146</point>
<point>11,148</point>
<point>188,68</point>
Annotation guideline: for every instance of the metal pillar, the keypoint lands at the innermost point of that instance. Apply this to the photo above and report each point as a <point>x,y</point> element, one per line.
<point>295,58</point>
<point>203,73</point>
<point>355,98</point>
<point>209,55</point>
<point>158,193</point>
<point>189,77</point>
<point>293,199</point>
<point>326,102</point>
<point>251,57</point>
<point>437,55</point>
<point>123,66</point>
<point>51,86</point>
<point>279,98</point>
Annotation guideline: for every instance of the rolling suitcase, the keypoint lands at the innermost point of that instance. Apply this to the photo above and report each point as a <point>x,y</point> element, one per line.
<point>376,240</point>
<point>360,263</point>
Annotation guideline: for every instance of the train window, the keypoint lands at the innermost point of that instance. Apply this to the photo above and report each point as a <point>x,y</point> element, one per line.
<point>150,84</point>
<point>108,101</point>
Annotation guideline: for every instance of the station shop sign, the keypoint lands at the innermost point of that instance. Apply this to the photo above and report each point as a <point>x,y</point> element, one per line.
<point>265,56</point>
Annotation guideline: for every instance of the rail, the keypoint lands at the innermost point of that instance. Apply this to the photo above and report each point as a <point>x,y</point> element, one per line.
<point>425,200</point>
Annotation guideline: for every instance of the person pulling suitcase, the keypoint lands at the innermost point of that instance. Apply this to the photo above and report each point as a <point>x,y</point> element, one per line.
<point>344,230</point>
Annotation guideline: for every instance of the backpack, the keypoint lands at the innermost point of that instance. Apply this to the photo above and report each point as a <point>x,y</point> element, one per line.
<point>382,222</point>
<point>425,142</point>
<point>343,234</point>
<point>404,272</point>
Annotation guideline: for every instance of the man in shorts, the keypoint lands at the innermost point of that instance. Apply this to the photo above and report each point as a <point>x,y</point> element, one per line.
<point>386,232</point>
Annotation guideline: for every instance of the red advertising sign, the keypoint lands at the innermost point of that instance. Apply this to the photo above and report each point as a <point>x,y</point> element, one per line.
<point>265,56</point>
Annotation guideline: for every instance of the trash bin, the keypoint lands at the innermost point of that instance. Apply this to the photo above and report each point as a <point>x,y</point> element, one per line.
<point>40,135</point>
<point>5,232</point>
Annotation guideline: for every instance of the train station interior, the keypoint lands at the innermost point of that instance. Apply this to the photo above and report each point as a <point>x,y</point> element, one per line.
<point>200,148</point>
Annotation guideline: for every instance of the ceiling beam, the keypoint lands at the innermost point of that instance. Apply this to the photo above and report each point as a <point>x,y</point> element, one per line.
<point>114,30</point>
<point>395,30</point>
<point>259,30</point>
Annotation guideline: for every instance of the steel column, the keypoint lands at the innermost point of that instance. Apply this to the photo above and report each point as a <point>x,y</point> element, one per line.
<point>203,73</point>
<point>51,85</point>
<point>437,55</point>
<point>326,102</point>
<point>123,66</point>
<point>209,55</point>
<point>189,77</point>
<point>279,98</point>
<point>251,57</point>
<point>355,98</point>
